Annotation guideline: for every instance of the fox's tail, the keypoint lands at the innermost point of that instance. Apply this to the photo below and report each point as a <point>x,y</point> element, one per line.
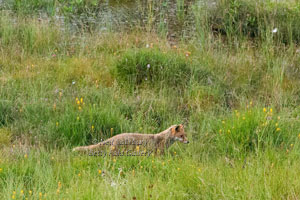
<point>88,148</point>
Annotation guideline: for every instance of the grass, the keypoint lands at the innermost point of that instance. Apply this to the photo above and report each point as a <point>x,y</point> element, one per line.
<point>234,85</point>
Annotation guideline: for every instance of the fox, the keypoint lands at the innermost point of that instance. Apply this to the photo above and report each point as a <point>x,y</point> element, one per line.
<point>157,143</point>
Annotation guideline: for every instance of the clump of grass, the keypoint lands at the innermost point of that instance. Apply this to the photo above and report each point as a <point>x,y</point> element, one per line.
<point>254,130</point>
<point>155,68</point>
<point>152,67</point>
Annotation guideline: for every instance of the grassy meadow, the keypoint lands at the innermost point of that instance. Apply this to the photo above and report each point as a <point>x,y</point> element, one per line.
<point>74,72</point>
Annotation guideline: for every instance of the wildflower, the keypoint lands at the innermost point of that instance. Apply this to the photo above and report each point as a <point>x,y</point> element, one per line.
<point>81,100</point>
<point>174,47</point>
<point>99,171</point>
<point>276,124</point>
<point>141,167</point>
<point>292,145</point>
<point>60,94</point>
<point>25,156</point>
<point>76,99</point>
<point>73,82</point>
<point>57,191</point>
<point>178,168</point>
<point>251,103</point>
<point>1,170</point>
<point>271,110</point>
<point>133,172</point>
<point>244,118</point>
<point>278,117</point>
<point>220,131</point>
<point>298,137</point>
<point>40,194</point>
<point>175,152</point>
<point>199,170</point>
<point>79,174</point>
<point>148,66</point>
<point>77,118</point>
<point>79,107</point>
<point>78,102</point>
<point>137,148</point>
<point>275,30</point>
<point>147,45</point>
<point>277,129</point>
<point>22,192</point>
<point>56,123</point>
<point>93,127</point>
<point>115,160</point>
<point>223,122</point>
<point>13,196</point>
<point>228,131</point>
<point>187,54</point>
<point>265,110</point>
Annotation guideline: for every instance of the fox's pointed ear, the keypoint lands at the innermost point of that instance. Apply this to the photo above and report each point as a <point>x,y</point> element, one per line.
<point>173,130</point>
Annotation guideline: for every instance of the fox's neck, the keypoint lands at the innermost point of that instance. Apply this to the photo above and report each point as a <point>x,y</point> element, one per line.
<point>165,134</point>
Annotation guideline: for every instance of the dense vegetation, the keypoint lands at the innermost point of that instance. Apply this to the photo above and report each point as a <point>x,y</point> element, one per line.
<point>74,72</point>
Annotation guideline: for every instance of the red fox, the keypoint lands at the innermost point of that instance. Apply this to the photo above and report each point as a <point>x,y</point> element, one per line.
<point>156,142</point>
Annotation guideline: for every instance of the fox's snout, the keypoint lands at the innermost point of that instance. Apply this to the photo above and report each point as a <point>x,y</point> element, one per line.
<point>186,142</point>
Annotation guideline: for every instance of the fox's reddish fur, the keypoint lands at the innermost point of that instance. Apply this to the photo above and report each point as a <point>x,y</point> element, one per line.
<point>157,142</point>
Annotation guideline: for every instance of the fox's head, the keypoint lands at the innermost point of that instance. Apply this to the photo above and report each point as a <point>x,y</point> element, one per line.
<point>178,134</point>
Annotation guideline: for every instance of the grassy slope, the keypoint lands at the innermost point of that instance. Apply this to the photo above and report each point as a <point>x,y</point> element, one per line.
<point>240,106</point>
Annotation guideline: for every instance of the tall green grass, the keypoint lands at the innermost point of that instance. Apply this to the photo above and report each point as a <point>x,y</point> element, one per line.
<point>234,86</point>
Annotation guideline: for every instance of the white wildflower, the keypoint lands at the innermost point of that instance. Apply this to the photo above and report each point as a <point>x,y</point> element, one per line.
<point>275,30</point>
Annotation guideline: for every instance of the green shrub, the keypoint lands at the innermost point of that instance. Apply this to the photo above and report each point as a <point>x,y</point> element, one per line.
<point>153,67</point>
